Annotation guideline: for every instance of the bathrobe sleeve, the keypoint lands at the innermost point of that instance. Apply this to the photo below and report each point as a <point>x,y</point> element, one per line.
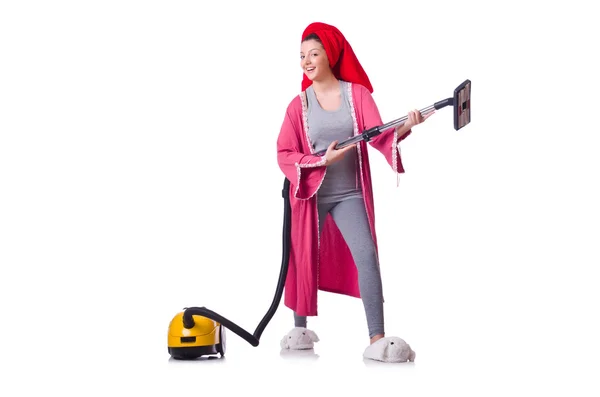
<point>388,141</point>
<point>304,170</point>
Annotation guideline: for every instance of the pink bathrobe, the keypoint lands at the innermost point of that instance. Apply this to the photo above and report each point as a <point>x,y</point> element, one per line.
<point>325,262</point>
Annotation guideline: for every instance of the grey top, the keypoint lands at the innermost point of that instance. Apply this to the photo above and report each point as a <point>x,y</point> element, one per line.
<point>341,180</point>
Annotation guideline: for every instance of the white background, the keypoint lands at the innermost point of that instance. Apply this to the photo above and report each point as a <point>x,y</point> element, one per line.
<point>138,176</point>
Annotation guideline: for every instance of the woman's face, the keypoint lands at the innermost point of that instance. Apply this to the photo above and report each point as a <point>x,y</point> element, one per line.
<point>313,60</point>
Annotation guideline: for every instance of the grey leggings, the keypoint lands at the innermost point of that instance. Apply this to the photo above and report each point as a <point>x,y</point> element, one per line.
<point>351,218</point>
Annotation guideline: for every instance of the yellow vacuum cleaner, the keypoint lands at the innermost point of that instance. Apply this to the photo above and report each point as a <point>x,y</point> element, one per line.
<point>204,337</point>
<point>198,331</point>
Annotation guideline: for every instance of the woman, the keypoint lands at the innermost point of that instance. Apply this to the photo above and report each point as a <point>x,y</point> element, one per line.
<point>334,244</point>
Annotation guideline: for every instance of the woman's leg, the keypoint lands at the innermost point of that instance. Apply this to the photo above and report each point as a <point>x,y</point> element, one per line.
<point>351,218</point>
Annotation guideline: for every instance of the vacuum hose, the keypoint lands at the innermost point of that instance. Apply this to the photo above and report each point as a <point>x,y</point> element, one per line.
<point>253,339</point>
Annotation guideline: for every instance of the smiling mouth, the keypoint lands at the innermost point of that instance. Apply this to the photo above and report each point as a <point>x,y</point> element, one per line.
<point>311,69</point>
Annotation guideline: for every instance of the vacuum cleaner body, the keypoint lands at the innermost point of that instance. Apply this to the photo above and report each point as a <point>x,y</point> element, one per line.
<point>206,337</point>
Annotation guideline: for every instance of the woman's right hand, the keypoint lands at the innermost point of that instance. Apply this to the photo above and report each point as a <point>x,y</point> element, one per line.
<point>333,155</point>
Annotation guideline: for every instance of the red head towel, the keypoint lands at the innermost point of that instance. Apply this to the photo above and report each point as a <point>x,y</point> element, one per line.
<point>342,60</point>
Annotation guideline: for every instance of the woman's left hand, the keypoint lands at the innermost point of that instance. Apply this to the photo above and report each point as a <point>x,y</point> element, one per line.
<point>415,117</point>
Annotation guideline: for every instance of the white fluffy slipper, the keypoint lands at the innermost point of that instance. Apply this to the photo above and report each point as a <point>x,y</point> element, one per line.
<point>390,350</point>
<point>299,338</point>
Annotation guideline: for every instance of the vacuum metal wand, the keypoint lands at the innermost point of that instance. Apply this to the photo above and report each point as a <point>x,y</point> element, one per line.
<point>373,132</point>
